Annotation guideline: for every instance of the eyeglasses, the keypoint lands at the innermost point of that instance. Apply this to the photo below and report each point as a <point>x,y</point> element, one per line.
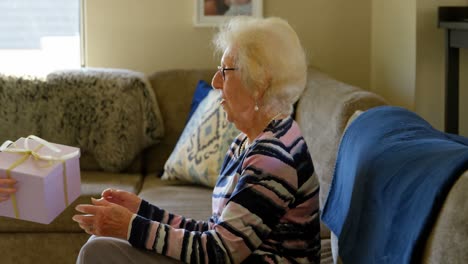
<point>223,69</point>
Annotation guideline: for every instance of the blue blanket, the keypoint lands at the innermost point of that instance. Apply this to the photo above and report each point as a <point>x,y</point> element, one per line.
<point>392,175</point>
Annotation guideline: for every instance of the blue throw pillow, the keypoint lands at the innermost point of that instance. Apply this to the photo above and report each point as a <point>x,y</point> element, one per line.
<point>202,90</point>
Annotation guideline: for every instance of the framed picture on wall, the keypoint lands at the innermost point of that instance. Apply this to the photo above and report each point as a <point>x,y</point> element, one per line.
<point>209,13</point>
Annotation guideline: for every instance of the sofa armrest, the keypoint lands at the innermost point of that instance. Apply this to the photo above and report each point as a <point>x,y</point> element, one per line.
<point>322,113</point>
<point>447,242</point>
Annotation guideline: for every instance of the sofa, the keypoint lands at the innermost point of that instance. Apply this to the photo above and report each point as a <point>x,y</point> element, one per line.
<point>322,112</point>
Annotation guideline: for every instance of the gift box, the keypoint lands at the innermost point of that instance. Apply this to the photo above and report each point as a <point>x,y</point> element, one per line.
<point>48,178</point>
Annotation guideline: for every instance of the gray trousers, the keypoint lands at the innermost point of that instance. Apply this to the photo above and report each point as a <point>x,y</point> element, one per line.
<point>112,250</point>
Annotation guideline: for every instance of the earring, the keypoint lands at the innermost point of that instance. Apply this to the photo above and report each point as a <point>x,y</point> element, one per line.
<point>256,106</point>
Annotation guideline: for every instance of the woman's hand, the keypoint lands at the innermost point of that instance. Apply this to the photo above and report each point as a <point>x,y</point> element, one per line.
<point>126,199</point>
<point>103,218</point>
<point>6,188</point>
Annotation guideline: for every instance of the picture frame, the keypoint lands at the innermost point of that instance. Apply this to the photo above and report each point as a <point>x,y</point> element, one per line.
<point>212,13</point>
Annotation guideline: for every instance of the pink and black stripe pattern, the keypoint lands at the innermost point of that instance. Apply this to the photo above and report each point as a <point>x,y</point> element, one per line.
<point>265,208</point>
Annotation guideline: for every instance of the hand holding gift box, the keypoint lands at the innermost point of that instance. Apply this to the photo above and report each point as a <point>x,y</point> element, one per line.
<point>47,175</point>
<point>6,188</point>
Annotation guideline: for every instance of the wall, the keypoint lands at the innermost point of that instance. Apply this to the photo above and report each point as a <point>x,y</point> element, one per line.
<point>408,59</point>
<point>393,51</point>
<point>391,47</point>
<point>430,78</point>
<point>152,35</point>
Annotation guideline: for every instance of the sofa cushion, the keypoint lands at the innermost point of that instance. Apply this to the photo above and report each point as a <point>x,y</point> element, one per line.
<point>175,107</point>
<point>325,252</point>
<point>41,247</point>
<point>194,202</point>
<point>200,151</point>
<point>178,197</point>
<point>92,185</point>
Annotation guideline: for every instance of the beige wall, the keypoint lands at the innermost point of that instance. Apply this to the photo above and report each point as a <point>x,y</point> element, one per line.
<point>407,58</point>
<point>431,66</point>
<point>391,47</point>
<point>393,51</point>
<point>151,35</point>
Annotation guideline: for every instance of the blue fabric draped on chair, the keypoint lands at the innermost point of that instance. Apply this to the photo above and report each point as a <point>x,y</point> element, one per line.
<point>392,174</point>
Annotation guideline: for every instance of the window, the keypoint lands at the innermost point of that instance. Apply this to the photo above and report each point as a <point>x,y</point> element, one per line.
<point>39,36</point>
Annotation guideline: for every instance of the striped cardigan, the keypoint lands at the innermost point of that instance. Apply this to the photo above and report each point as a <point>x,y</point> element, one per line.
<point>265,208</point>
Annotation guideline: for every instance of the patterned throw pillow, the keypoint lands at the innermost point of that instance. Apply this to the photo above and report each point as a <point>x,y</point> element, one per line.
<point>199,153</point>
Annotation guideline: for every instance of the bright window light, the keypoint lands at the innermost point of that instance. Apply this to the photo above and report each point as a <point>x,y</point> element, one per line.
<point>39,36</point>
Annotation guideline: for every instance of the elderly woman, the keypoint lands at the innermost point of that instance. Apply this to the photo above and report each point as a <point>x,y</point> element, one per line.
<point>265,203</point>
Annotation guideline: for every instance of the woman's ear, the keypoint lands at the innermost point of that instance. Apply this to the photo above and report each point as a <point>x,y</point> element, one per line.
<point>255,95</point>
<point>258,96</point>
<point>262,89</point>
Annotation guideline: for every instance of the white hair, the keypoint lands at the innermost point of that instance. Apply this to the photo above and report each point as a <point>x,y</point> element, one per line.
<point>269,55</point>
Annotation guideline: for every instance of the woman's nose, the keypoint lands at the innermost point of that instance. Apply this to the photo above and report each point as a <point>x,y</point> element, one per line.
<point>217,81</point>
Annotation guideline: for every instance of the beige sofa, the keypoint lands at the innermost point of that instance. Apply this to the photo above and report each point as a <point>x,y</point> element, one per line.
<point>322,113</point>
